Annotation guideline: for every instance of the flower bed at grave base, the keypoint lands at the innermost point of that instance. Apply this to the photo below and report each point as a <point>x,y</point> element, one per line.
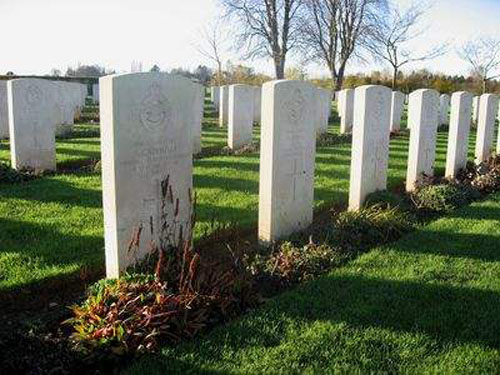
<point>9,175</point>
<point>181,291</point>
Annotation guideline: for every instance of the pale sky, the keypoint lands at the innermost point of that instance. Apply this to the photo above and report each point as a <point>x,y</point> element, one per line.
<point>38,35</point>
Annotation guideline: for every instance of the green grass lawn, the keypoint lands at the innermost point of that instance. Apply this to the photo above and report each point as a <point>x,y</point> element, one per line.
<point>53,225</point>
<point>427,304</point>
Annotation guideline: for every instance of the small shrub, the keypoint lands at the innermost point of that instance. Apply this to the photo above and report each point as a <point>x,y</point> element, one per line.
<point>290,264</point>
<point>178,293</point>
<point>358,230</point>
<point>484,177</point>
<point>9,175</point>
<point>388,200</point>
<point>443,197</point>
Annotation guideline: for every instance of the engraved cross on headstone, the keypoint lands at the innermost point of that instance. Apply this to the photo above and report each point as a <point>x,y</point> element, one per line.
<point>295,174</point>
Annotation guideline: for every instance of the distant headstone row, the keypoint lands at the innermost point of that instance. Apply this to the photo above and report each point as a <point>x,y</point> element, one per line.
<point>239,107</point>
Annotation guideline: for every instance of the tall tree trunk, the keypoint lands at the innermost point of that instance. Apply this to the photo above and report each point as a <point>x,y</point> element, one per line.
<point>279,66</point>
<point>340,78</point>
<point>219,73</point>
<point>484,85</point>
<point>394,78</point>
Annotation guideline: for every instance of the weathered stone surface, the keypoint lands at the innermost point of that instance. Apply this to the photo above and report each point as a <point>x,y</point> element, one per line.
<point>370,144</point>
<point>146,140</point>
<point>444,108</point>
<point>4,113</point>
<point>223,105</point>
<point>488,108</point>
<point>198,107</point>
<point>458,137</point>
<point>241,113</point>
<point>287,155</point>
<point>347,111</point>
<point>397,106</point>
<point>423,115</point>
<point>257,104</point>
<point>31,124</point>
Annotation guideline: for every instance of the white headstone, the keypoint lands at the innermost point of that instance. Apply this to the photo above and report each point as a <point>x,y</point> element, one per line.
<point>223,105</point>
<point>257,104</point>
<point>63,109</point>
<point>370,143</point>
<point>146,139</point>
<point>488,107</point>
<point>240,124</point>
<point>475,109</point>
<point>458,137</point>
<point>444,108</point>
<point>423,117</point>
<point>95,92</point>
<point>198,106</point>
<point>286,188</point>
<point>4,113</point>
<point>340,106</point>
<point>215,97</point>
<point>321,116</point>
<point>326,99</point>
<point>347,110</point>
<point>31,124</point>
<point>397,105</point>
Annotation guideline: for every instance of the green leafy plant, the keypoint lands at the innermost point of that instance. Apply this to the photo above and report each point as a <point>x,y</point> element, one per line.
<point>177,293</point>
<point>443,197</point>
<point>388,200</point>
<point>484,177</point>
<point>289,264</point>
<point>9,175</point>
<point>358,230</point>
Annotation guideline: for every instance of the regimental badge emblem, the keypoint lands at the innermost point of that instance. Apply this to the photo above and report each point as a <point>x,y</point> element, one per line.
<point>155,108</point>
<point>33,95</point>
<point>295,106</point>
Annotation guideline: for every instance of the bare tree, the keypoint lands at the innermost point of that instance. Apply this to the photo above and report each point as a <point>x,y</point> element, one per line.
<point>391,40</point>
<point>267,28</point>
<point>483,55</point>
<point>213,47</point>
<point>333,30</point>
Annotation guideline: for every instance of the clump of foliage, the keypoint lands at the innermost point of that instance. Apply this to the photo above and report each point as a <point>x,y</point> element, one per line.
<point>178,293</point>
<point>374,225</point>
<point>9,175</point>
<point>484,177</point>
<point>290,264</point>
<point>388,200</point>
<point>442,198</point>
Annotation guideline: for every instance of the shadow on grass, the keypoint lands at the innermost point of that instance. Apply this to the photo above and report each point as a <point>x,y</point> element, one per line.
<point>78,152</point>
<point>32,247</point>
<point>49,190</point>
<point>355,305</point>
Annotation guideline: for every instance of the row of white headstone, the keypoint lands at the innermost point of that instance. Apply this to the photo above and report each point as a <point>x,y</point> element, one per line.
<point>146,139</point>
<point>32,113</point>
<point>240,106</point>
<point>345,108</point>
